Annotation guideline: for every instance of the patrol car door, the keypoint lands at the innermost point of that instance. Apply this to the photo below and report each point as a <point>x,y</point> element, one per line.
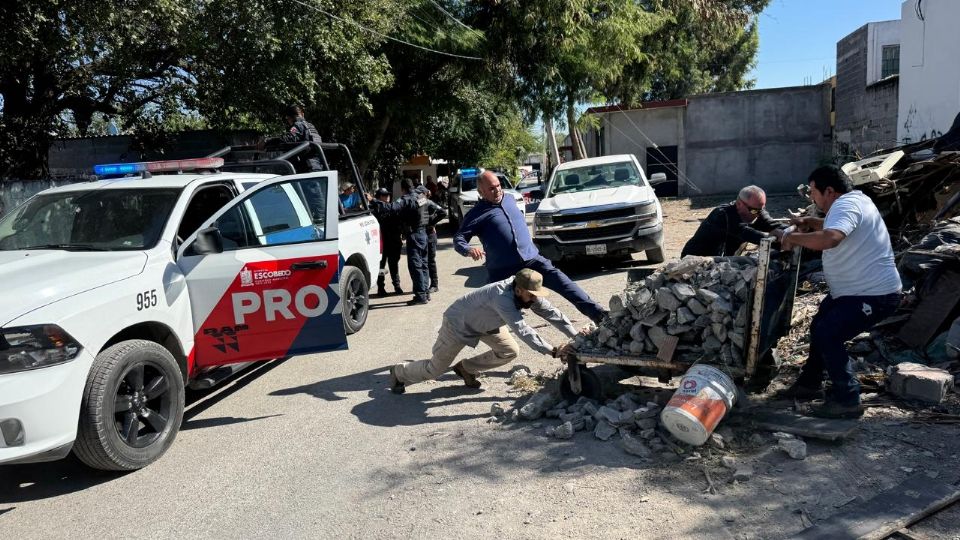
<point>273,290</point>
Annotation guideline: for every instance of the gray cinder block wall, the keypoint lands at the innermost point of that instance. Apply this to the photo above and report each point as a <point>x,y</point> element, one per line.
<point>772,138</point>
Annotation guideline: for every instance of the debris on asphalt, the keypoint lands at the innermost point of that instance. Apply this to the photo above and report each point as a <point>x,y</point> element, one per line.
<point>916,381</point>
<point>795,448</point>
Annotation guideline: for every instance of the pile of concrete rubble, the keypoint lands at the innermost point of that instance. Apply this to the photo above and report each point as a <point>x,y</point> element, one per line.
<point>703,302</point>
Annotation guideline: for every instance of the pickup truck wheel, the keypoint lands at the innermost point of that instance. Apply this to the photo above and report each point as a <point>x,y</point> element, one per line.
<point>355,295</point>
<point>655,255</point>
<point>131,408</point>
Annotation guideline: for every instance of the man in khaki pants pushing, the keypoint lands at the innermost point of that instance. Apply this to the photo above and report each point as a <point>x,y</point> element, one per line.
<point>485,315</point>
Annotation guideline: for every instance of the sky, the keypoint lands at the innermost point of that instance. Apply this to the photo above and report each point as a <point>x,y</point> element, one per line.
<point>798,38</point>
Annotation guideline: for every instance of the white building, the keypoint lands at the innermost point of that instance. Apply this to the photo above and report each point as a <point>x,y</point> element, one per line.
<point>929,68</point>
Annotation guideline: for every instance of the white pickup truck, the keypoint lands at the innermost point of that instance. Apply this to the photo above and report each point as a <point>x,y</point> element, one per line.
<point>463,194</point>
<point>120,292</point>
<point>601,206</point>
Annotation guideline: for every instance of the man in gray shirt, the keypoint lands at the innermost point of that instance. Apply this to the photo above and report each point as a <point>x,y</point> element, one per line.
<point>487,315</point>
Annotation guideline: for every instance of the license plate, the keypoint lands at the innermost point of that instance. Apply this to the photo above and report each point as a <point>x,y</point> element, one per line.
<point>596,249</point>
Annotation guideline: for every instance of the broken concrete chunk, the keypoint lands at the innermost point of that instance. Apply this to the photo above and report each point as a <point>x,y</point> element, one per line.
<point>666,300</point>
<point>646,412</point>
<point>637,332</point>
<point>632,445</point>
<point>696,307</point>
<point>589,423</point>
<point>720,331</point>
<point>603,334</point>
<point>743,473</point>
<point>537,406</point>
<point>677,329</point>
<point>648,434</point>
<point>737,339</point>
<point>729,462</point>
<point>564,431</point>
<point>604,431</point>
<point>657,335</point>
<point>655,318</point>
<point>683,292</point>
<point>590,408</point>
<point>916,381</point>
<point>616,306</point>
<point>721,306</point>
<point>608,415</point>
<point>707,296</point>
<point>741,319</point>
<point>626,403</point>
<point>497,409</point>
<point>570,417</point>
<point>646,423</point>
<point>795,448</point>
<point>642,297</point>
<point>636,347</point>
<point>685,315</point>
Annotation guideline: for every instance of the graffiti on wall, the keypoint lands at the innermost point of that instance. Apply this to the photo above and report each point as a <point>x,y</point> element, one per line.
<point>917,129</point>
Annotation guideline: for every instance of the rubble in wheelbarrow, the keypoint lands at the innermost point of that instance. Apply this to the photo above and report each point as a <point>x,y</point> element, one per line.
<point>703,302</point>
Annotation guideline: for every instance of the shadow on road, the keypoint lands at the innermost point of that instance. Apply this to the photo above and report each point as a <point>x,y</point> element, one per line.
<point>422,404</point>
<point>476,276</point>
<point>36,481</point>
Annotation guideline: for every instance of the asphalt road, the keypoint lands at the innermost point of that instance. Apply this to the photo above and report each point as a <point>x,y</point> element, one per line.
<point>316,446</point>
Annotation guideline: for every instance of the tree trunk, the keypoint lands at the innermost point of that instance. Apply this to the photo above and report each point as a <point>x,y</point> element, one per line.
<point>575,143</point>
<point>553,153</point>
<point>381,131</point>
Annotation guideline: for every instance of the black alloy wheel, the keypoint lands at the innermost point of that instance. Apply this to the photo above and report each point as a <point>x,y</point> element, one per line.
<point>142,404</point>
<point>356,299</point>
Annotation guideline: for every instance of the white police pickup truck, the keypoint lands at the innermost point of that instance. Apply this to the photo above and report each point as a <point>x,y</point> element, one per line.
<point>118,293</point>
<point>463,194</point>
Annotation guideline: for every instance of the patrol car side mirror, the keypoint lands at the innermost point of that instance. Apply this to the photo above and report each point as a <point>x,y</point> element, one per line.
<point>658,178</point>
<point>208,242</point>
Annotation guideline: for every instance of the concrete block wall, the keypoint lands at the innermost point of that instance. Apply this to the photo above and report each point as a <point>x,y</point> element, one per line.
<point>866,115</point>
<point>772,138</point>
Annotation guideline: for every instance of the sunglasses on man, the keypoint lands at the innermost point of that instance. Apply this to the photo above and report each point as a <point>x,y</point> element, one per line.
<point>753,211</point>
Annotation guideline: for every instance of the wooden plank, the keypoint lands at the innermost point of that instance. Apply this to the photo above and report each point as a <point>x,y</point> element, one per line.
<point>932,311</point>
<point>804,426</point>
<point>666,350</point>
<point>888,512</point>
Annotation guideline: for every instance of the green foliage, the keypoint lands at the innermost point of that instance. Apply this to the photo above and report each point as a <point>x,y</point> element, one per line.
<point>511,148</point>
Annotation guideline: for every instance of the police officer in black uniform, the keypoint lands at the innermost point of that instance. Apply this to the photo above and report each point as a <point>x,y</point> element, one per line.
<point>435,209</point>
<point>392,242</point>
<point>414,212</point>
<point>299,130</point>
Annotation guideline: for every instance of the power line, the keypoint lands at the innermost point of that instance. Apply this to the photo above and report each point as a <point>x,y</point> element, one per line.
<point>456,20</point>
<point>384,36</point>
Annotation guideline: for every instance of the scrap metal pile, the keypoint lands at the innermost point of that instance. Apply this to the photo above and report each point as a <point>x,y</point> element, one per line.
<point>700,303</point>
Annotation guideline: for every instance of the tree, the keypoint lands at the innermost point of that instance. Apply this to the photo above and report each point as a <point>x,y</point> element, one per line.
<point>703,47</point>
<point>234,61</point>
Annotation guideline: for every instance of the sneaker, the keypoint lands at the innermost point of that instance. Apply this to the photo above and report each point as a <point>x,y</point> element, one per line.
<point>396,386</point>
<point>834,409</point>
<point>397,290</point>
<point>468,379</point>
<point>434,289</point>
<point>418,300</point>
<point>798,390</point>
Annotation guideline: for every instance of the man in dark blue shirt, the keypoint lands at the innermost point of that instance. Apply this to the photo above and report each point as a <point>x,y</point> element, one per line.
<point>507,245</point>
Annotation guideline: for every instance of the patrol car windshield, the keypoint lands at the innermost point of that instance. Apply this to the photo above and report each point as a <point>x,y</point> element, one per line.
<point>608,175</point>
<point>94,220</point>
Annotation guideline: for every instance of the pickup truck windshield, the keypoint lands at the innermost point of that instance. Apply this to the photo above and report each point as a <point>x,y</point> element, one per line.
<point>95,220</point>
<point>604,176</point>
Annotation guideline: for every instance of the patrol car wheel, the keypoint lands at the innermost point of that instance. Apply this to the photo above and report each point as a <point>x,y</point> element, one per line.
<point>131,408</point>
<point>355,295</point>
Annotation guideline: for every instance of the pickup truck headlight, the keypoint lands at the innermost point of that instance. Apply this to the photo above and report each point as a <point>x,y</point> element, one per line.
<point>542,220</point>
<point>469,203</point>
<point>33,347</point>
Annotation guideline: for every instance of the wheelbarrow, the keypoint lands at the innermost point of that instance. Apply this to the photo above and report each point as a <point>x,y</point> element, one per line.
<point>770,315</point>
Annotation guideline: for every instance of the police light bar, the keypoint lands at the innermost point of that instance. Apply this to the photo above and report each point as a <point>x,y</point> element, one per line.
<point>171,165</point>
<point>470,172</point>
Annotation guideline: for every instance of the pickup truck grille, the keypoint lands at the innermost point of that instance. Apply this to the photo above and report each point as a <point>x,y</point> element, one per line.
<point>560,219</point>
<point>618,230</point>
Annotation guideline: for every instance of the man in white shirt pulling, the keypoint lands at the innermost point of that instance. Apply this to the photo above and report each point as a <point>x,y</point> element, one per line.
<point>864,286</point>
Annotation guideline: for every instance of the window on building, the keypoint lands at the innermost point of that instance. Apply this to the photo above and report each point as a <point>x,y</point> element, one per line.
<point>891,61</point>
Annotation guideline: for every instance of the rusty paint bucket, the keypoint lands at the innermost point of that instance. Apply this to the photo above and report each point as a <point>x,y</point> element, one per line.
<point>703,399</point>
